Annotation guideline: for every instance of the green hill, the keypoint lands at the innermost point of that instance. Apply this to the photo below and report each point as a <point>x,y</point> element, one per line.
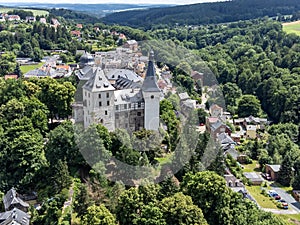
<point>204,13</point>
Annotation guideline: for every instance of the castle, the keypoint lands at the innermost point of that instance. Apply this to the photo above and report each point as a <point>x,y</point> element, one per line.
<point>117,98</point>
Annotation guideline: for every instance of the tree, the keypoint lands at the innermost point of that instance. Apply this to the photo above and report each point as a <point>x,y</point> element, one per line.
<point>208,191</point>
<point>82,200</point>
<point>179,209</point>
<point>98,215</point>
<point>22,155</point>
<point>296,182</point>
<point>61,177</point>
<point>249,105</point>
<point>286,174</point>
<point>150,215</point>
<point>18,71</point>
<point>129,205</point>
<point>62,145</point>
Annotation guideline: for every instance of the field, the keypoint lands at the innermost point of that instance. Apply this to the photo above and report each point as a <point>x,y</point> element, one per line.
<point>293,27</point>
<point>26,68</point>
<point>35,11</point>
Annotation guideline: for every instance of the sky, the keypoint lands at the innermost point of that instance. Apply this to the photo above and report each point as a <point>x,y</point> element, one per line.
<point>180,2</point>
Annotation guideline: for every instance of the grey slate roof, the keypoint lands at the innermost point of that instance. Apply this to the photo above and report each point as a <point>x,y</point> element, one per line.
<point>98,82</point>
<point>119,73</point>
<point>12,198</point>
<point>128,96</point>
<point>150,84</point>
<point>14,217</point>
<point>124,83</point>
<point>275,168</point>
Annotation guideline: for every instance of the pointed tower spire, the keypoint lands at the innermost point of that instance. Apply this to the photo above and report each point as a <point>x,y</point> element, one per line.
<point>150,84</point>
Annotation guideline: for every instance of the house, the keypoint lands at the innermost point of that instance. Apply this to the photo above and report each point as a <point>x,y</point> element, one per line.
<point>55,22</point>
<point>251,131</point>
<point>215,110</point>
<point>296,194</point>
<point>233,183</point>
<point>225,140</point>
<point>236,137</point>
<point>76,33</point>
<point>219,127</point>
<point>2,18</point>
<point>14,217</point>
<point>13,200</point>
<point>186,103</point>
<point>30,19</point>
<point>272,170</point>
<point>79,26</point>
<point>11,76</point>
<point>43,20</point>
<point>254,178</point>
<point>132,45</point>
<point>13,18</point>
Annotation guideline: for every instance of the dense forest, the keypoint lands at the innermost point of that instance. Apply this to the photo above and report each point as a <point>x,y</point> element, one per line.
<point>205,13</point>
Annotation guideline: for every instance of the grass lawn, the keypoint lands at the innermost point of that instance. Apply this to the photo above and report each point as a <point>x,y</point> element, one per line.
<point>263,201</point>
<point>164,160</point>
<point>293,27</point>
<point>290,218</point>
<point>27,68</point>
<point>253,167</point>
<point>34,11</point>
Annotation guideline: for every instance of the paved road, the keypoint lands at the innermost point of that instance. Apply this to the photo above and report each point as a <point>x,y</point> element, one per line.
<point>280,211</point>
<point>287,197</point>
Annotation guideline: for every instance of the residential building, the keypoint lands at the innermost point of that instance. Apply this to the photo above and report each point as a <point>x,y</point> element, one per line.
<point>254,178</point>
<point>272,170</point>
<point>13,200</point>
<point>215,110</point>
<point>251,131</point>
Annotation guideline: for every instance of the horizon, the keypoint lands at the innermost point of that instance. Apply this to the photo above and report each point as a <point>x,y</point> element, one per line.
<point>134,2</point>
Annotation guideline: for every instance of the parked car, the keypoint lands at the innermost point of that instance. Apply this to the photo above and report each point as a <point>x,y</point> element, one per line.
<point>285,205</point>
<point>274,194</point>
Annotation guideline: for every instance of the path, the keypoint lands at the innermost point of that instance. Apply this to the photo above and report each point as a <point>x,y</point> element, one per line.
<point>68,202</point>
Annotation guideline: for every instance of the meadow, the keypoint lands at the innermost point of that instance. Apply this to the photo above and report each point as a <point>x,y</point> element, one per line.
<point>35,12</point>
<point>293,27</point>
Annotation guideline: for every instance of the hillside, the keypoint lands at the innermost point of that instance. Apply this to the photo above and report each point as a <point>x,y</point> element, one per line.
<point>204,13</point>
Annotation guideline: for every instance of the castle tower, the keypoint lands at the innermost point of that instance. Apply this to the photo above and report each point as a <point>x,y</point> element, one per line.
<point>151,94</point>
<point>98,101</point>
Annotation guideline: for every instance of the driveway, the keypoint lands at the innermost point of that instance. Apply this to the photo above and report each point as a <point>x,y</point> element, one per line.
<point>287,197</point>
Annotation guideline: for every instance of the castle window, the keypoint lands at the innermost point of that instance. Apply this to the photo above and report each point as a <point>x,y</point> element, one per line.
<point>117,107</point>
<point>129,105</point>
<point>107,95</point>
<point>125,106</point>
<point>117,116</point>
<point>139,113</point>
<point>139,105</point>
<point>99,95</point>
<point>106,112</point>
<point>152,96</point>
<point>89,95</point>
<point>107,103</point>
<point>100,103</point>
